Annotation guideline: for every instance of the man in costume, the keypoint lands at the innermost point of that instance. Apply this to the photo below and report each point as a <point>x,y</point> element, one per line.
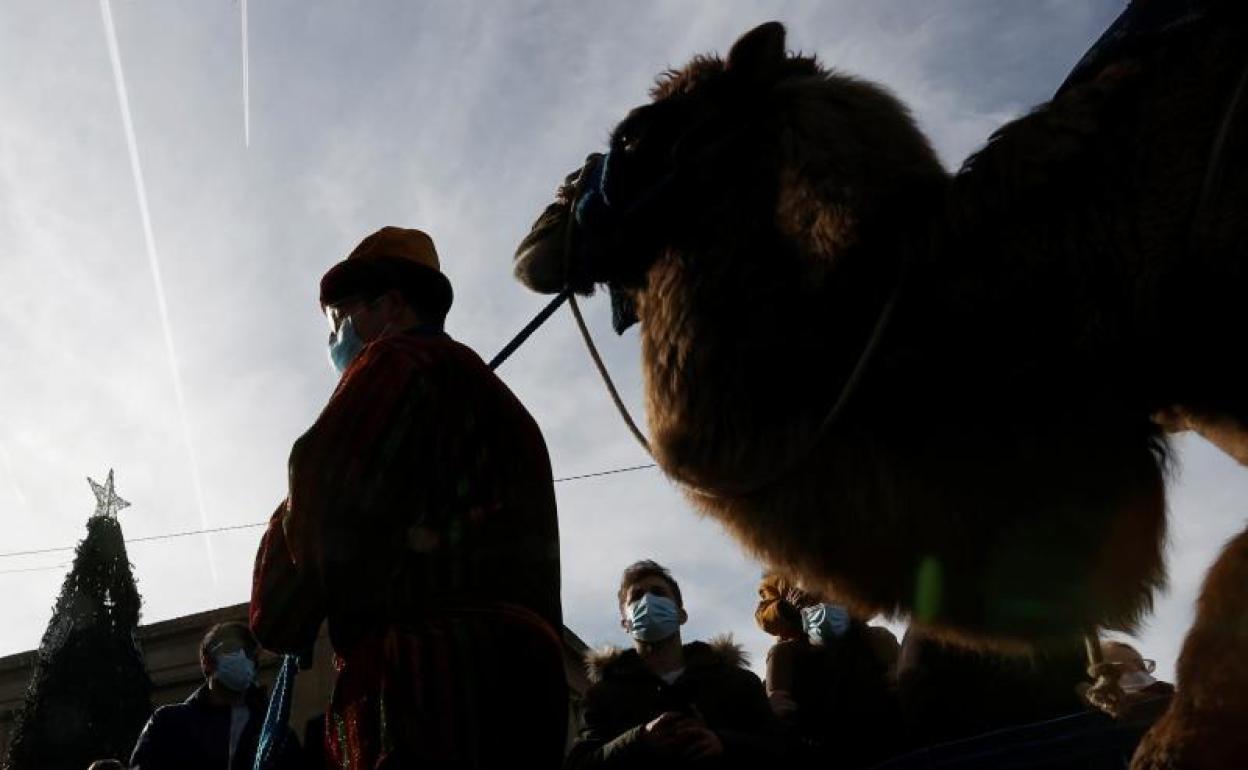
<point>421,523</point>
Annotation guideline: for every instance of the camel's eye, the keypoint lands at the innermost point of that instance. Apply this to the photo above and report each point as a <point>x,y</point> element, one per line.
<point>629,134</point>
<point>627,140</point>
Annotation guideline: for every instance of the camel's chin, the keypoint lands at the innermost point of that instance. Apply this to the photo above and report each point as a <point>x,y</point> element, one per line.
<point>539,260</point>
<point>533,269</point>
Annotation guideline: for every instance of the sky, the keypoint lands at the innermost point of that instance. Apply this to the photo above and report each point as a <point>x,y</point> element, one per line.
<point>453,116</point>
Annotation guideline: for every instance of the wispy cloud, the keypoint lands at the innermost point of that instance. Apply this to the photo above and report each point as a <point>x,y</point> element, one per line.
<point>153,261</point>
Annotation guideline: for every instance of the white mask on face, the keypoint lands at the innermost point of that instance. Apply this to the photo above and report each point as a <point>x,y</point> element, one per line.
<point>344,345</point>
<point>1135,681</point>
<point>235,670</point>
<point>653,618</point>
<point>824,622</point>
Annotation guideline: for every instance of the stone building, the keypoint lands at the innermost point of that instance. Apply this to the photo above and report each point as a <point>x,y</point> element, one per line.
<point>171,651</point>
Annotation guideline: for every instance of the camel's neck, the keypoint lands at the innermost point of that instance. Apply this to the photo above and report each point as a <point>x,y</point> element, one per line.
<point>746,348</point>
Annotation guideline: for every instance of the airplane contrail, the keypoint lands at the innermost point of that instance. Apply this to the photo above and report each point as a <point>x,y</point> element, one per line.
<point>153,262</point>
<point>242,5</point>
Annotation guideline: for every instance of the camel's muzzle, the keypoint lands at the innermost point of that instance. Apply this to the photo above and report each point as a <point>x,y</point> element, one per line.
<point>586,237</point>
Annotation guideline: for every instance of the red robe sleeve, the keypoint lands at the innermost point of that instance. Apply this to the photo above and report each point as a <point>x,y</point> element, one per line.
<point>286,608</point>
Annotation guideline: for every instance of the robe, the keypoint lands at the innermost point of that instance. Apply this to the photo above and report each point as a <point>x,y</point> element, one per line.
<point>421,524</point>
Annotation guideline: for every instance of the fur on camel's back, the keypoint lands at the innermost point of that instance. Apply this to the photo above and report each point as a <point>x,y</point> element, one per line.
<point>996,474</point>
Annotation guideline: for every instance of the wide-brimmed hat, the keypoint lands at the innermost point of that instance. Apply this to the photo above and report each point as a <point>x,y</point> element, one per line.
<point>391,258</point>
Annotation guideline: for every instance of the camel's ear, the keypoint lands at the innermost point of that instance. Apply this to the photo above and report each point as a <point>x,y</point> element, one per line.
<point>759,52</point>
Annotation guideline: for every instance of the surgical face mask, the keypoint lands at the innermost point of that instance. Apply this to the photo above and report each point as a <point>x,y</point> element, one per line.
<point>344,345</point>
<point>1135,681</point>
<point>824,622</point>
<point>653,618</point>
<point>235,670</point>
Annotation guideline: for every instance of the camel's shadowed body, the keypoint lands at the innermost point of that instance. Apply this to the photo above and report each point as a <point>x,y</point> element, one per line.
<point>996,474</point>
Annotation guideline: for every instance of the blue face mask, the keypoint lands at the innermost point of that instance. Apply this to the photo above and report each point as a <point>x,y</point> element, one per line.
<point>824,622</point>
<point>235,670</point>
<point>344,345</point>
<point>653,618</point>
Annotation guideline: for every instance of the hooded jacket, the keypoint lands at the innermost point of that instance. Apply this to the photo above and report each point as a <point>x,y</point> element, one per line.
<point>624,695</point>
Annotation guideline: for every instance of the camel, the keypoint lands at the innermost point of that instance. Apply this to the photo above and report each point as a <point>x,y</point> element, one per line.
<point>934,395</point>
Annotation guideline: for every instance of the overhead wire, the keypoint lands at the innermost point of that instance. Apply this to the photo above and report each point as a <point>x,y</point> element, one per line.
<point>232,527</point>
<point>34,569</point>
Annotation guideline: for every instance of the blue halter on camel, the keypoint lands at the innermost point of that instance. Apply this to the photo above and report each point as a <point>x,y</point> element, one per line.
<point>599,216</point>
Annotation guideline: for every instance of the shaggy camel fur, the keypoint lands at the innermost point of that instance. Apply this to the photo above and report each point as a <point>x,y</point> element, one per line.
<point>996,474</point>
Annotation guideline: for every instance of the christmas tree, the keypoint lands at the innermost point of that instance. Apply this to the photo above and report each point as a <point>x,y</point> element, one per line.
<point>90,694</point>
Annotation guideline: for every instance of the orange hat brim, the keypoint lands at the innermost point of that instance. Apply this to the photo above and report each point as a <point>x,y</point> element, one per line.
<point>352,278</point>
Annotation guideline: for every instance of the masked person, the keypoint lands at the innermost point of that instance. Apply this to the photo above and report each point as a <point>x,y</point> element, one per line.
<point>1130,690</point>
<point>830,676</point>
<point>667,704</point>
<point>218,726</point>
<point>421,524</point>
<point>1137,671</point>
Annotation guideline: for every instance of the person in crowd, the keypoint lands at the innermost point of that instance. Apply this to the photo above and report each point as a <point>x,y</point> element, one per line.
<point>830,675</point>
<point>420,522</point>
<point>1125,685</point>
<point>948,692</point>
<point>668,704</point>
<point>218,726</point>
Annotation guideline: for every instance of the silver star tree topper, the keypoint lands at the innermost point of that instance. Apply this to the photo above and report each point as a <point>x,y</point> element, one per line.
<point>107,503</point>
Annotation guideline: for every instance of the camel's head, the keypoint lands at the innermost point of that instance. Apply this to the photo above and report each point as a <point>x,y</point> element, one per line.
<point>729,151</point>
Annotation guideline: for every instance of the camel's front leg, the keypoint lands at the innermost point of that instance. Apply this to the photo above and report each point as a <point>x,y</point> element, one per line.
<point>1206,726</point>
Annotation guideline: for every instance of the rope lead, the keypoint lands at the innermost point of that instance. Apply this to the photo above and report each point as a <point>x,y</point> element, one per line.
<point>606,377</point>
